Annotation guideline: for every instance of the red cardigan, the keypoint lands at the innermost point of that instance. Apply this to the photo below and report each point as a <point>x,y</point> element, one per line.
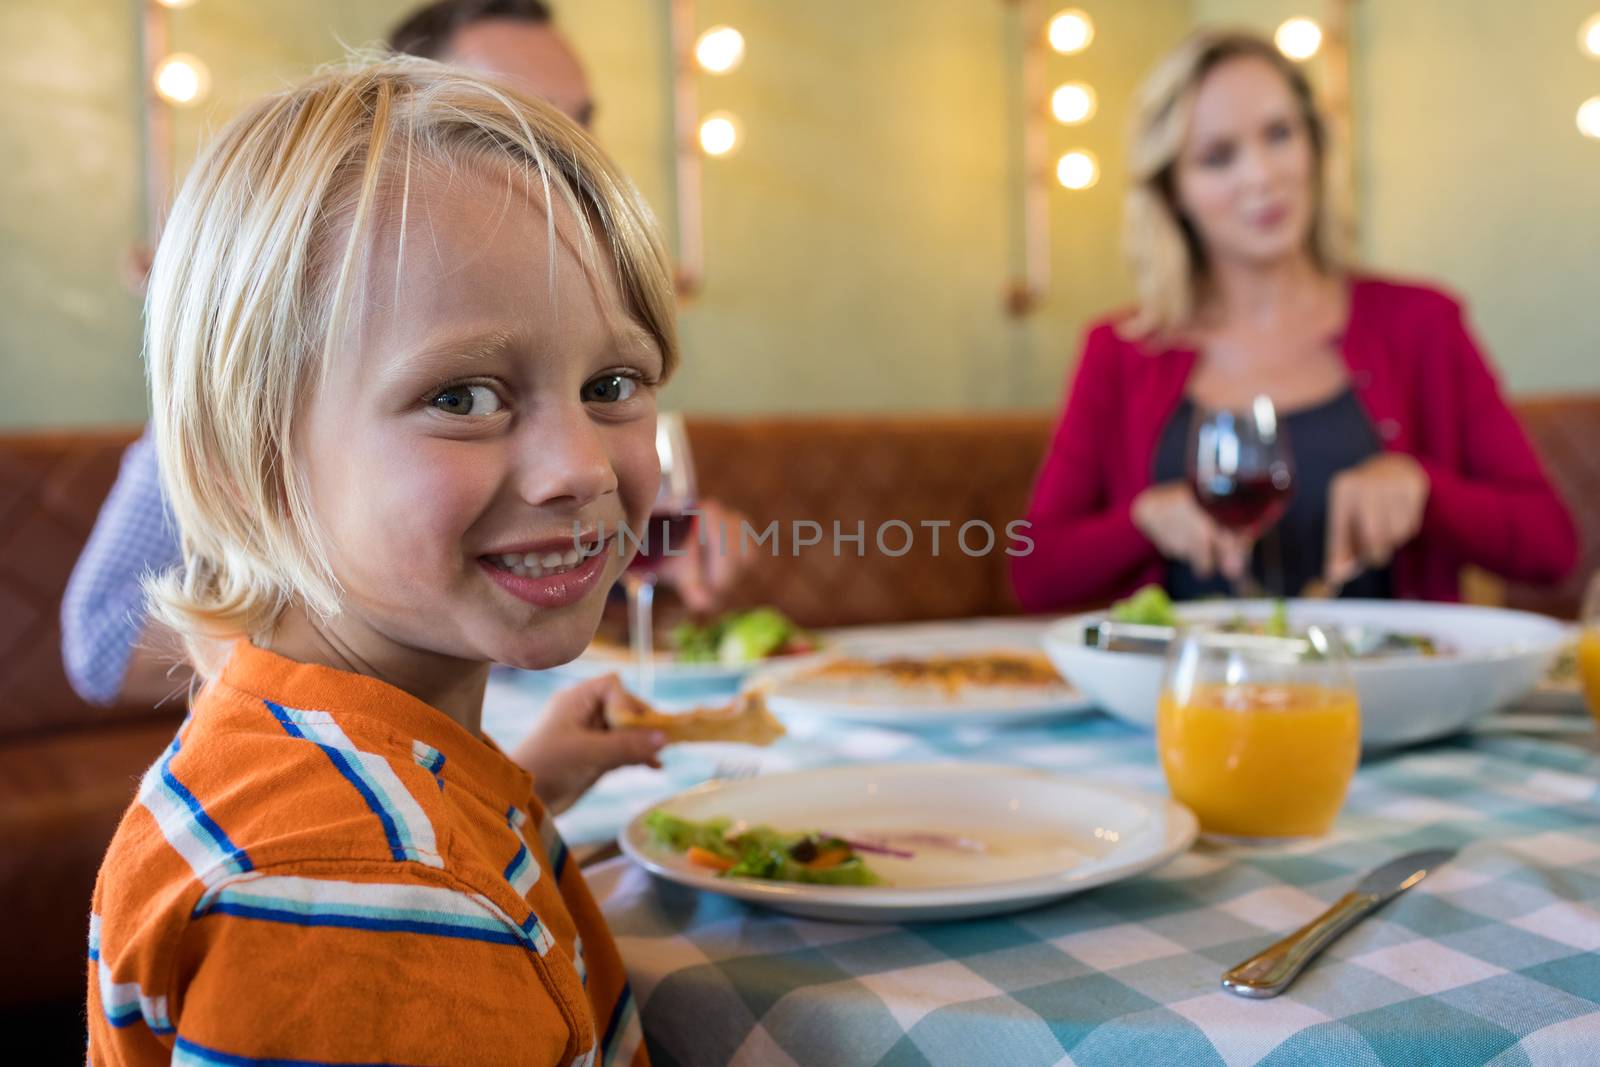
<point>1423,382</point>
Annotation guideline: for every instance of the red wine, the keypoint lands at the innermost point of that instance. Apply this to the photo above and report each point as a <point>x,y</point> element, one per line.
<point>1249,504</point>
<point>661,533</point>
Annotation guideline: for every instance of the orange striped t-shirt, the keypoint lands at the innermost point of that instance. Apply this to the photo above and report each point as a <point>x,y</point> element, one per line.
<point>324,869</point>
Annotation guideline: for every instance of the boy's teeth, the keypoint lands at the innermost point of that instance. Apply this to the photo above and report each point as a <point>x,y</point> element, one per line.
<point>535,565</point>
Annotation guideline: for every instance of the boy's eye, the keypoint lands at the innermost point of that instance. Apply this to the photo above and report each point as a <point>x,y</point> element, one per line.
<point>610,389</point>
<point>467,400</point>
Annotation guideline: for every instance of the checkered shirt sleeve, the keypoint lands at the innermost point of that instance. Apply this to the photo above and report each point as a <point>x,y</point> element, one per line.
<point>103,609</point>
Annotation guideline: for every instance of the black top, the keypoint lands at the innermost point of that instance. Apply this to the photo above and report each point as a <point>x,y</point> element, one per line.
<point>1323,440</point>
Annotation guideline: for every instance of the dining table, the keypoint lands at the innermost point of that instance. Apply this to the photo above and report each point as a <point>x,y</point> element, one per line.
<point>1493,959</point>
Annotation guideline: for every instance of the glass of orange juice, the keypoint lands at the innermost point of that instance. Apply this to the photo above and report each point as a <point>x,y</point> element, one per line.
<point>1259,736</point>
<point>1589,648</point>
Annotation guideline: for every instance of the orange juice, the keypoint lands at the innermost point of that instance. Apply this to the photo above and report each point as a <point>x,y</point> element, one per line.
<point>1589,668</point>
<point>1260,760</point>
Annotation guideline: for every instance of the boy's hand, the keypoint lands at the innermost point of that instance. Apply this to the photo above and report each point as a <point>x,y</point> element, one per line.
<point>573,746</point>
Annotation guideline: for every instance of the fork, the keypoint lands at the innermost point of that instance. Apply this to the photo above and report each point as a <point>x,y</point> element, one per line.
<point>734,771</point>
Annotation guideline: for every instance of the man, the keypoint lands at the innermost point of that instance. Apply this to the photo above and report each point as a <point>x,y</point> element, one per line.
<point>515,41</point>
<point>112,651</point>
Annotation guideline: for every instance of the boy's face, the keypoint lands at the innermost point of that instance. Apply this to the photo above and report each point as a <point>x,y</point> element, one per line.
<point>480,409</point>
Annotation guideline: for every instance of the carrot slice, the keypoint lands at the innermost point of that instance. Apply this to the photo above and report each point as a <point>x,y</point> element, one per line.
<point>707,858</point>
<point>828,858</point>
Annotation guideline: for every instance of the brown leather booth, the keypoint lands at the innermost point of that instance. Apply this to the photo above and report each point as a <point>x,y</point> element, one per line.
<point>68,770</point>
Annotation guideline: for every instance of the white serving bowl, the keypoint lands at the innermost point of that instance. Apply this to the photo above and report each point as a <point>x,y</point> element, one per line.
<point>1492,657</point>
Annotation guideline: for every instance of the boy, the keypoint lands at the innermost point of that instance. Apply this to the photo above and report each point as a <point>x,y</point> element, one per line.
<point>405,333</point>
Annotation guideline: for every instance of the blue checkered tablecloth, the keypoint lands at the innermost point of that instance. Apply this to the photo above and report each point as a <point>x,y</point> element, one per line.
<point>1492,960</point>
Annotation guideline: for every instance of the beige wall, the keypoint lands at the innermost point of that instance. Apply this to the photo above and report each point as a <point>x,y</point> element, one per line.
<point>1471,169</point>
<point>858,245</point>
<point>70,196</point>
<point>1474,172</point>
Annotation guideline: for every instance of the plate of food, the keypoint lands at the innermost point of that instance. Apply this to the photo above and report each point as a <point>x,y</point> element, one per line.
<point>722,650</point>
<point>937,688</point>
<point>1422,670</point>
<point>906,842</point>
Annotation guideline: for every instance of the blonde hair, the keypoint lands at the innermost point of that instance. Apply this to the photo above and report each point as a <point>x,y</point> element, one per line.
<point>256,275</point>
<point>1163,249</point>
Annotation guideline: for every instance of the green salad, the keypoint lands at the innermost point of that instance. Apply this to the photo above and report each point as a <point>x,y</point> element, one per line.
<point>740,637</point>
<point>761,852</point>
<point>1151,606</point>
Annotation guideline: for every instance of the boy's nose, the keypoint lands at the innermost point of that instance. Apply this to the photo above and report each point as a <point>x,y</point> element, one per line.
<point>563,459</point>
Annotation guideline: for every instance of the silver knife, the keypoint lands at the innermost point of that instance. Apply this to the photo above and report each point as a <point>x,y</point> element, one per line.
<point>1268,974</point>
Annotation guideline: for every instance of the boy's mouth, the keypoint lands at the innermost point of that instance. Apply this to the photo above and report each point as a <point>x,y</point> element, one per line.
<point>547,563</point>
<point>554,576</point>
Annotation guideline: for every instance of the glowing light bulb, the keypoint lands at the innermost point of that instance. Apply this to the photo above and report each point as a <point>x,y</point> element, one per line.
<point>719,50</point>
<point>719,134</point>
<point>1078,169</point>
<point>1072,103</point>
<point>182,79</point>
<point>1589,36</point>
<point>1298,38</point>
<point>1589,117</point>
<point>1071,31</point>
<point>175,4</point>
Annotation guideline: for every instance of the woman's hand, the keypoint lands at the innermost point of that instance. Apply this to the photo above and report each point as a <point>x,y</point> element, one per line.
<point>572,746</point>
<point>1373,509</point>
<point>704,573</point>
<point>1174,522</point>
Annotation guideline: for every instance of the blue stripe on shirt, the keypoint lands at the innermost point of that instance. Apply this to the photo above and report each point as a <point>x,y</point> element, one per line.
<point>518,863</point>
<point>124,1003</point>
<point>367,922</point>
<point>522,872</point>
<point>391,832</point>
<point>375,906</point>
<point>204,821</point>
<point>615,1027</point>
<point>558,857</point>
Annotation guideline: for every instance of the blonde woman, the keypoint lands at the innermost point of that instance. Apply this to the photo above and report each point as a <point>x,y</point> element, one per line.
<point>405,334</point>
<point>1408,463</point>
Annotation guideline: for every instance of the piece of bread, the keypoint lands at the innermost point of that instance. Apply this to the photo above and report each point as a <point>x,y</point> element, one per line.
<point>746,721</point>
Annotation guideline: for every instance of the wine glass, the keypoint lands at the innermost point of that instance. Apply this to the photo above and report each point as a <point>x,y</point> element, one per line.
<point>1589,647</point>
<point>669,527</point>
<point>1242,473</point>
<point>1259,736</point>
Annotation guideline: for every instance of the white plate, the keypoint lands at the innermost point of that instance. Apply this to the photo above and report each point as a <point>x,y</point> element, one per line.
<point>1493,656</point>
<point>882,703</point>
<point>885,704</point>
<point>608,659</point>
<point>1049,836</point>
